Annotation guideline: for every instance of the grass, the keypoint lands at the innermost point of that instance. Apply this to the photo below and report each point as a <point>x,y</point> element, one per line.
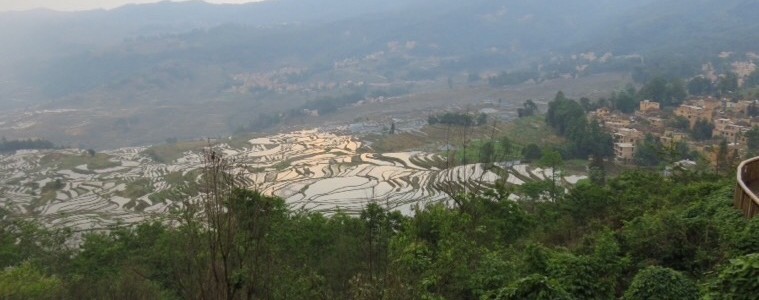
<point>167,153</point>
<point>67,161</point>
<point>431,138</point>
<point>242,141</point>
<point>181,186</point>
<point>521,132</point>
<point>474,150</point>
<point>136,189</point>
<point>532,130</point>
<point>45,198</point>
<point>576,166</point>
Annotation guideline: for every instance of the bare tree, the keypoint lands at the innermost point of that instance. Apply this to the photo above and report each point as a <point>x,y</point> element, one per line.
<point>209,258</point>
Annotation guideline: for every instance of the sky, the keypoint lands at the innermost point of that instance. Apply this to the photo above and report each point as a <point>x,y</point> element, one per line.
<point>73,5</point>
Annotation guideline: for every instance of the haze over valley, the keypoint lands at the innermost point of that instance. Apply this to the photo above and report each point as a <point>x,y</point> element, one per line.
<point>191,69</point>
<point>398,149</point>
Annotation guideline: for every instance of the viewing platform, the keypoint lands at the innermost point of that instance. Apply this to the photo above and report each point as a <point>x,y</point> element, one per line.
<point>748,187</point>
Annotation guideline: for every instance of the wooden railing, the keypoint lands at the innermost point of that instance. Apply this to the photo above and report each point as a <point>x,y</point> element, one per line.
<point>748,176</point>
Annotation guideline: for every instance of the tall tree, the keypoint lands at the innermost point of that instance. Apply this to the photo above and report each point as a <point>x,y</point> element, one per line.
<point>752,80</point>
<point>700,86</point>
<point>728,84</point>
<point>649,152</point>
<point>228,236</point>
<point>722,163</point>
<point>597,170</point>
<point>624,101</point>
<point>702,130</point>
<point>529,108</point>
<point>552,159</point>
<point>531,152</point>
<point>667,92</point>
<point>655,90</point>
<point>752,141</point>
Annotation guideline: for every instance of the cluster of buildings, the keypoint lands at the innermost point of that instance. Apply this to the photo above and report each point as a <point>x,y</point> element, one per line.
<point>731,121</point>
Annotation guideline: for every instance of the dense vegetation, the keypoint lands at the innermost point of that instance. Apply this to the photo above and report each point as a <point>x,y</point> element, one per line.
<point>458,119</point>
<point>512,78</point>
<point>319,106</point>
<point>585,138</point>
<point>640,235</point>
<point>28,144</point>
<point>637,236</point>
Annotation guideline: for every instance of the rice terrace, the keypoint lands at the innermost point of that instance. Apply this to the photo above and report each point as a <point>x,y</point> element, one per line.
<point>312,170</point>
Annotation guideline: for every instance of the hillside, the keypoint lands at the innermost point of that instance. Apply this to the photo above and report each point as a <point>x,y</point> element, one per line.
<point>130,66</point>
<point>636,236</point>
<point>695,29</point>
<point>367,150</point>
<point>314,171</point>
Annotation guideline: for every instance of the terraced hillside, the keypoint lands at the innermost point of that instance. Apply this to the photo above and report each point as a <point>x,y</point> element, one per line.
<point>312,170</point>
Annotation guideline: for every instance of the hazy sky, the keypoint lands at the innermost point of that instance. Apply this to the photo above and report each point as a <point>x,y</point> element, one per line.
<point>6,5</point>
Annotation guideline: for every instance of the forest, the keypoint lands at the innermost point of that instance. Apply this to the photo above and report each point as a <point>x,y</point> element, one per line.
<point>10,146</point>
<point>636,236</point>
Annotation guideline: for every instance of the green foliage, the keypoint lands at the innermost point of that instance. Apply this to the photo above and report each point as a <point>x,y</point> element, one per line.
<point>738,280</point>
<point>128,283</point>
<point>587,202</point>
<point>22,240</point>
<point>747,241</point>
<point>30,144</point>
<point>587,244</point>
<point>28,282</point>
<point>535,190</point>
<point>552,159</point>
<point>568,119</point>
<point>661,283</point>
<point>597,170</point>
<point>563,113</point>
<point>700,86</point>
<point>512,78</point>
<point>752,140</point>
<point>679,122</point>
<point>330,105</point>
<point>52,186</point>
<point>494,270</point>
<point>753,108</point>
<point>531,152</point>
<point>489,151</point>
<point>583,277</point>
<point>528,109</point>
<point>457,119</point>
<point>625,100</point>
<point>648,240</point>
<point>534,287</point>
<point>586,105</point>
<point>666,92</point>
<point>752,80</point>
<point>702,130</point>
<point>137,188</point>
<point>728,84</point>
<point>649,152</point>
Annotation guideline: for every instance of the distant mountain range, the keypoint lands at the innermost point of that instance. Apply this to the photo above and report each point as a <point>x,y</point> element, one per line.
<point>44,46</point>
<point>177,52</point>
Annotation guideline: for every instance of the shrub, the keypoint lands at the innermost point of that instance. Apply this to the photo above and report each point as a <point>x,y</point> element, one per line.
<point>655,282</point>
<point>739,279</point>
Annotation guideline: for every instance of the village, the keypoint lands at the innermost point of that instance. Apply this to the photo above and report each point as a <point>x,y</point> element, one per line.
<point>729,123</point>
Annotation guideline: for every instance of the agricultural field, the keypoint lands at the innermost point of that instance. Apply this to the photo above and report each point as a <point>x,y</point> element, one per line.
<point>312,170</point>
